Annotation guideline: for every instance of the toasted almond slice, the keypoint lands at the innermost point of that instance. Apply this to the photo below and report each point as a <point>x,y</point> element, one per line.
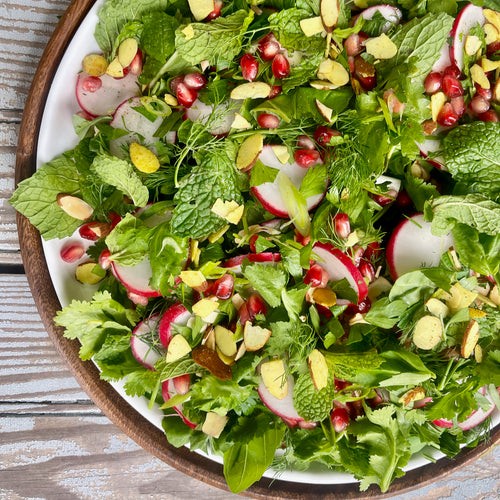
<point>127,50</point>
<point>251,90</point>
<point>178,347</point>
<point>324,111</point>
<point>205,307</point>
<point>312,26</point>
<point>329,11</point>
<point>227,360</point>
<point>214,423</point>
<point>255,337</point>
<point>428,332</point>
<point>495,295</point>
<point>460,298</point>
<point>491,33</point>
<point>381,47</point>
<point>240,123</point>
<point>488,65</point>
<point>437,102</point>
<point>209,339</point>
<point>333,72</point>
<point>493,17</point>
<point>472,45</point>
<point>281,152</point>
<point>469,341</point>
<point>414,394</point>
<point>74,206</point>
<point>249,151</point>
<point>479,76</point>
<point>322,85</point>
<point>437,308</point>
<point>274,377</point>
<point>115,69</point>
<point>224,340</point>
<point>318,369</point>
<point>193,279</point>
<point>201,8</point>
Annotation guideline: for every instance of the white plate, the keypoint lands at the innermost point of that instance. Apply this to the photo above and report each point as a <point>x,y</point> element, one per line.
<point>56,136</point>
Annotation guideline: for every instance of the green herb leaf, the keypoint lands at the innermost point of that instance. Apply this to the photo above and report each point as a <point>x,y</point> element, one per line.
<point>269,281</point>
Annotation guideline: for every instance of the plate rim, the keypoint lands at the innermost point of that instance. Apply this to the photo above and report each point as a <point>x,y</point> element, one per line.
<point>126,418</point>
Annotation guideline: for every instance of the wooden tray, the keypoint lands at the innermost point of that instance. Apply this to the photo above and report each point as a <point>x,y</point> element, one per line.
<point>117,409</point>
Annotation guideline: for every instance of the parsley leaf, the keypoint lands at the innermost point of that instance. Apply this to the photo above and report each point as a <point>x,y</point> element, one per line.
<point>269,281</point>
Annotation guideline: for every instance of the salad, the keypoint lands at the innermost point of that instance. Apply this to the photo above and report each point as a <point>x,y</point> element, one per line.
<point>287,214</point>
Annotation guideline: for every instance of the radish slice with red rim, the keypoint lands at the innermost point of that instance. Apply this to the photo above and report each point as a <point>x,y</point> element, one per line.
<point>144,342</point>
<point>176,314</point>
<point>135,278</point>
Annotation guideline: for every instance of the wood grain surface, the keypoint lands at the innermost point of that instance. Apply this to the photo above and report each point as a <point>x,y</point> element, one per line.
<point>54,442</point>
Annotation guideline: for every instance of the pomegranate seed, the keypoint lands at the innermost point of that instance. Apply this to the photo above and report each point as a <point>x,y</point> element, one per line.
<point>339,385</point>
<point>361,307</point>
<point>393,103</point>
<point>375,401</point>
<point>185,95</point>
<point>275,90</point>
<point>452,70</point>
<point>305,142</point>
<point>300,238</point>
<point>340,419</point>
<point>355,409</point>
<point>114,219</point>
<point>223,287</point>
<point>458,105</point>
<point>316,276</point>
<point>94,231</point>
<point>489,116</point>
<point>137,299</point>
<point>486,93</point>
<point>365,73</point>
<point>385,199</point>
<point>373,251</point>
<point>216,12</point>
<point>72,251</point>
<point>104,259</point>
<point>492,48</point>
<point>367,270</point>
<point>356,252</point>
<point>354,44</point>
<point>403,199</point>
<point>268,120</point>
<point>135,67</point>
<point>342,225</point>
<point>175,82</point>
<point>447,116</point>
<point>280,66</point>
<point>91,84</point>
<point>433,82</point>
<point>306,158</point>
<point>251,243</point>
<point>268,47</point>
<point>249,67</point>
<point>323,134</point>
<point>195,81</point>
<point>253,306</point>
<point>452,86</point>
<point>479,105</point>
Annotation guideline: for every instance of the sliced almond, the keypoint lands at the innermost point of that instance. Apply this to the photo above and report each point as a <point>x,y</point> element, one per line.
<point>74,206</point>
<point>469,341</point>
<point>494,295</point>
<point>255,337</point>
<point>438,100</point>
<point>472,45</point>
<point>437,308</point>
<point>324,111</point>
<point>381,47</point>
<point>241,351</point>
<point>312,26</point>
<point>115,69</point>
<point>209,339</point>
<point>489,65</point>
<point>492,35</point>
<point>322,85</point>
<point>127,50</point>
<point>205,307</point>
<point>218,234</point>
<point>240,123</point>
<point>478,353</point>
<point>329,11</point>
<point>479,76</point>
<point>251,90</point>
<point>214,424</point>
<point>274,377</point>
<point>428,332</point>
<point>493,17</point>
<point>249,151</point>
<point>178,347</point>
<point>89,273</point>
<point>224,340</point>
<point>415,394</point>
<point>318,369</point>
<point>227,360</point>
<point>324,296</point>
<point>228,210</point>
<point>281,152</point>
<point>460,298</point>
<point>333,72</point>
<point>378,287</point>
<point>193,279</point>
<point>201,8</point>
<point>94,64</point>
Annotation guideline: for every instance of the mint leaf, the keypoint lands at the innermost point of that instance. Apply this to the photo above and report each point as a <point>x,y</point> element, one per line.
<point>36,196</point>
<point>311,404</point>
<point>472,155</point>
<point>158,36</point>
<point>114,14</point>
<point>473,210</point>
<point>121,175</point>
<point>269,281</point>
<point>218,41</point>
<point>252,452</point>
<point>213,178</point>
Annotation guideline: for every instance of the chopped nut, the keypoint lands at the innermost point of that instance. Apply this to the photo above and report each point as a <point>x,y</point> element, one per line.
<point>469,341</point>
<point>333,72</point>
<point>412,395</point>
<point>381,47</point>
<point>312,26</point>
<point>94,64</point>
<point>472,45</point>
<point>251,90</point>
<point>115,69</point>
<point>479,76</point>
<point>127,50</point>
<point>74,206</point>
<point>143,158</point>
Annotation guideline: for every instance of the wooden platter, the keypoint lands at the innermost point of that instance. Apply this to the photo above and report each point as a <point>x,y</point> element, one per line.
<point>118,410</point>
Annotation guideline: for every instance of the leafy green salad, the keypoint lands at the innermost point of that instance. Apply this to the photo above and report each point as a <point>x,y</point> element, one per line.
<point>287,214</point>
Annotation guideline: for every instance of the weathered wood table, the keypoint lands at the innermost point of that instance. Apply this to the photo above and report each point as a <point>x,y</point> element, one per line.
<point>54,442</point>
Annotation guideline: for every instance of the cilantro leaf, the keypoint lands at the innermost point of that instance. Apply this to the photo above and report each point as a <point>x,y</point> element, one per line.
<point>121,175</point>
<point>36,197</point>
<point>218,41</point>
<point>269,281</point>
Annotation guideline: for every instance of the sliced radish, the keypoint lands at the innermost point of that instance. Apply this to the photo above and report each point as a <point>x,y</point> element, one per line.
<point>339,266</point>
<point>103,99</point>
<point>412,246</point>
<point>222,119</point>
<point>170,388</point>
<point>392,14</point>
<point>432,145</point>
<point>234,263</point>
<point>144,340</point>
<point>176,314</point>
<point>393,184</point>
<point>467,18</point>
<point>268,193</point>
<point>284,408</point>
<point>444,59</point>
<point>135,278</point>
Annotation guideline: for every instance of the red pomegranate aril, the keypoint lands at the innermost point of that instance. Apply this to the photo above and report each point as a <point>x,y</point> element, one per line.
<point>268,120</point>
<point>458,105</point>
<point>94,231</point>
<point>223,287</point>
<point>195,81</point>
<point>486,93</point>
<point>361,307</point>
<point>447,116</point>
<point>492,48</point>
<point>316,276</point>
<point>268,47</point>
<point>305,142</point>
<point>114,219</point>
<point>403,199</point>
<point>373,251</point>
<point>365,73</point>
<point>280,66</point>
<point>216,12</point>
<point>433,82</point>
<point>251,243</point>
<point>452,70</point>
<point>275,91</point>
<point>249,67</point>
<point>367,270</point>
<point>306,158</point>
<point>354,44</point>
<point>185,95</point>
<point>451,86</point>
<point>252,307</point>
<point>323,134</point>
<point>489,116</point>
<point>479,105</point>
<point>301,239</point>
<point>342,225</point>
<point>340,419</point>
<point>104,259</point>
<point>72,251</point>
<point>91,84</point>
